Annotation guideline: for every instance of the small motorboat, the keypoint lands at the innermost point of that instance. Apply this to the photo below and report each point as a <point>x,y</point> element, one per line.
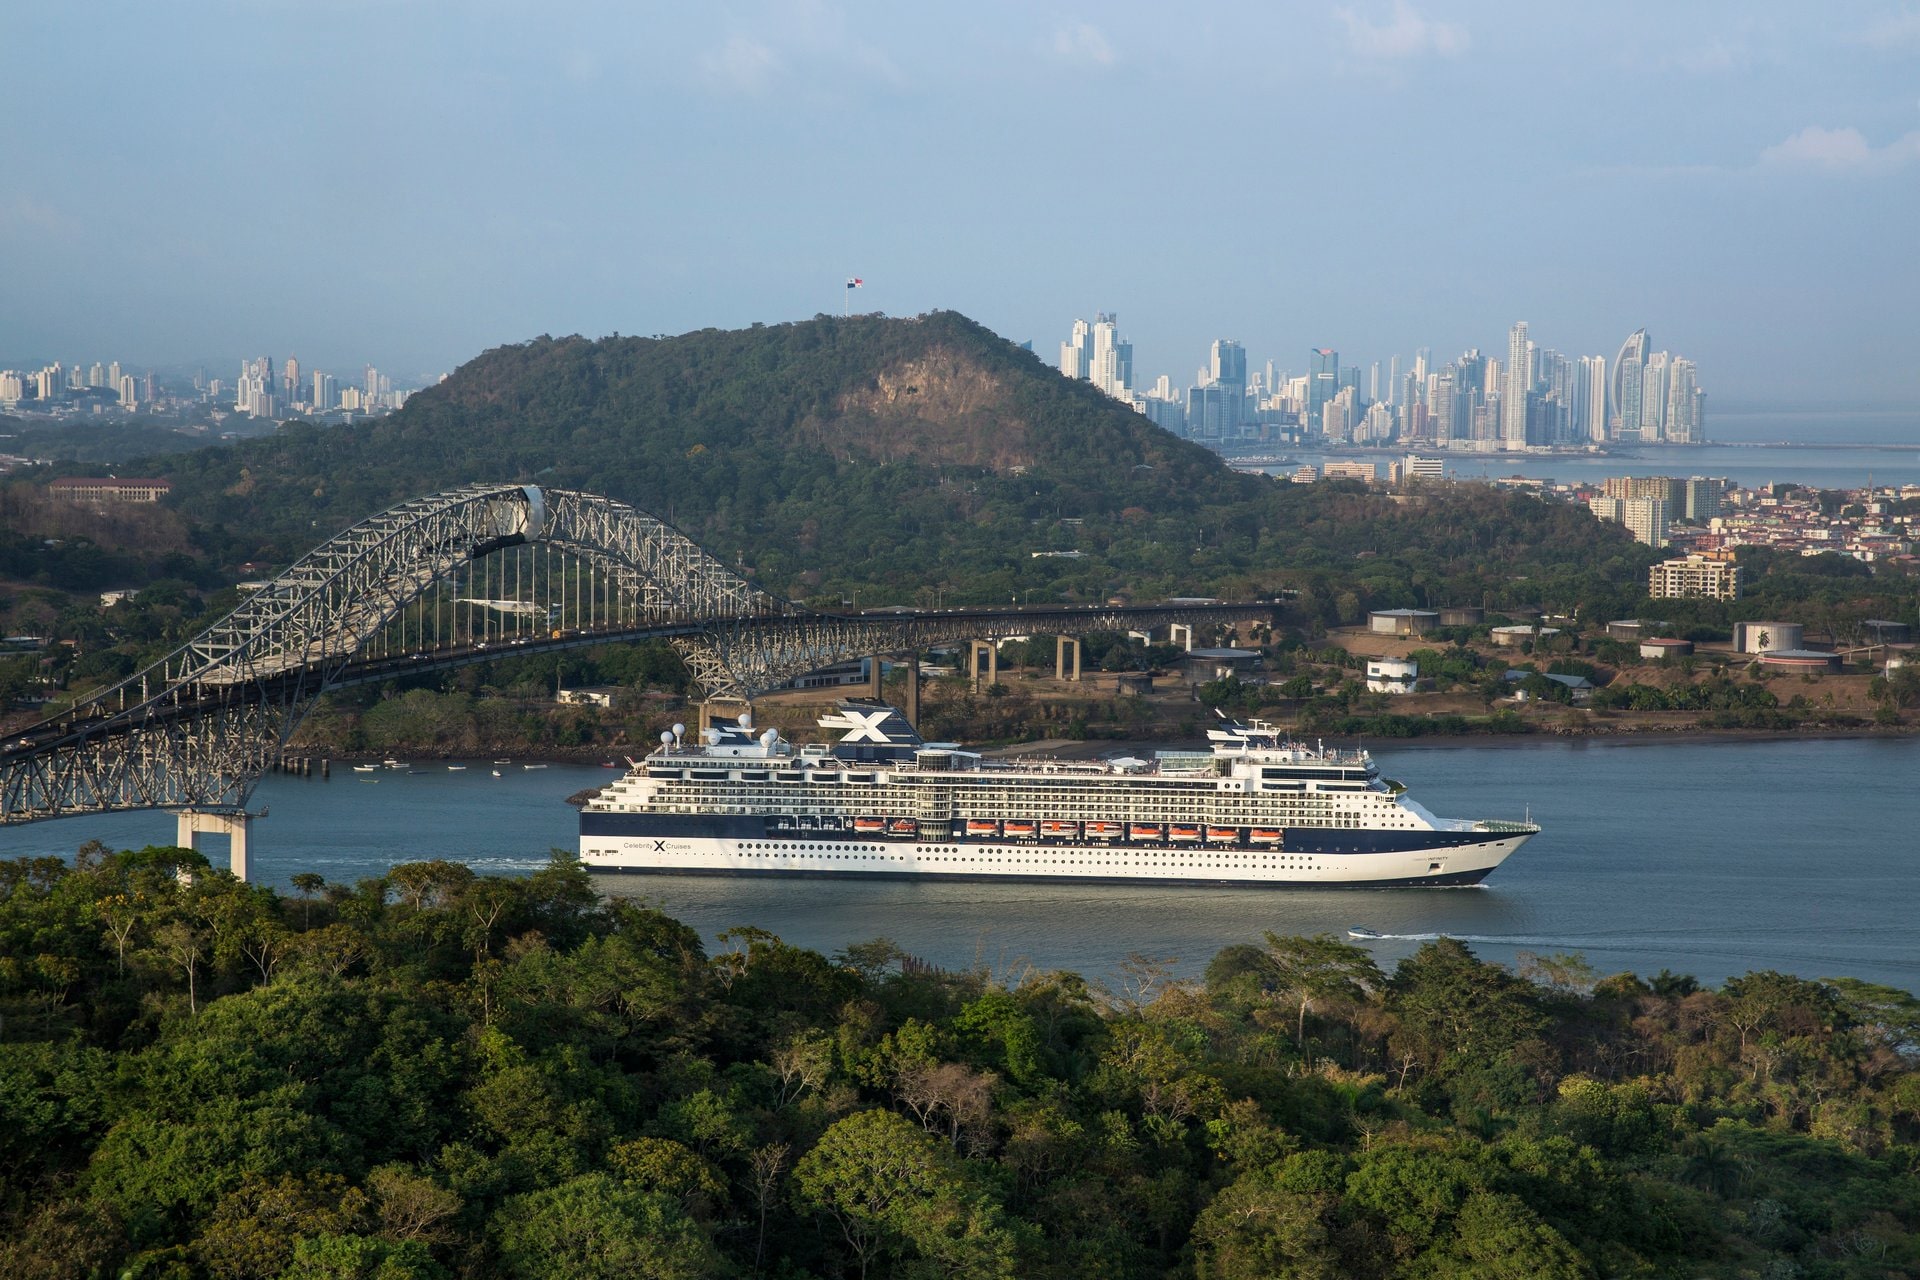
<point>533,766</point>
<point>496,773</point>
<point>365,768</point>
<point>455,768</point>
<point>1361,933</point>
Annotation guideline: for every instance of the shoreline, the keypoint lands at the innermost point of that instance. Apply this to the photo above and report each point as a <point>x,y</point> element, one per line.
<point>1089,748</point>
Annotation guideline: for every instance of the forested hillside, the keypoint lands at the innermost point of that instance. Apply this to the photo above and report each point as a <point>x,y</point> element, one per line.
<point>433,1075</point>
<point>896,458</point>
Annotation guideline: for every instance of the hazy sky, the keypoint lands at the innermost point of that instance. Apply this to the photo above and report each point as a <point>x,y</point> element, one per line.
<point>410,182</point>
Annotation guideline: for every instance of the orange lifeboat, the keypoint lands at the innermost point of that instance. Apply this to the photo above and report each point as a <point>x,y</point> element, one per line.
<point>869,826</point>
<point>1267,835</point>
<point>1103,831</point>
<point>903,827</point>
<point>1223,835</point>
<point>1019,828</point>
<point>980,827</point>
<point>1057,830</point>
<point>1145,831</point>
<point>1183,834</point>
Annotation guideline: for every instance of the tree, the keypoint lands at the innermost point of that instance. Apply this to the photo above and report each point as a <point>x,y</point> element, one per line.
<point>1258,1229</point>
<point>1318,969</point>
<point>595,1227</point>
<point>1451,1003</point>
<point>308,883</point>
<point>895,1193</point>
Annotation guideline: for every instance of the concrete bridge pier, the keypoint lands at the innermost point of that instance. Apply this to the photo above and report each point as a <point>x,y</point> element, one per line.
<point>712,709</point>
<point>1181,633</point>
<point>194,823</point>
<point>1062,646</point>
<point>975,648</point>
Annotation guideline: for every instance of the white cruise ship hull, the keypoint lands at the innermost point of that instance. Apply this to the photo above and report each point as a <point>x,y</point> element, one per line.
<point>1456,864</point>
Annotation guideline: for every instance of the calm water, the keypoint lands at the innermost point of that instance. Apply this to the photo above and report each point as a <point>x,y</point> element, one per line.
<point>1706,859</point>
<point>1837,450</point>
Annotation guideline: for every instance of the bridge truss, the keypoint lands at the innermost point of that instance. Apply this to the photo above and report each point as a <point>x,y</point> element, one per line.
<point>460,577</point>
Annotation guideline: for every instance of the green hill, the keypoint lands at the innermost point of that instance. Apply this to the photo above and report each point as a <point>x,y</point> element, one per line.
<point>893,458</point>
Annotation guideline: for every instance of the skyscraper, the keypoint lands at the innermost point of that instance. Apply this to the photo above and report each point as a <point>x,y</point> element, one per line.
<point>1653,397</point>
<point>1111,365</point>
<point>1683,403</point>
<point>1623,392</point>
<point>1515,389</point>
<point>1323,381</point>
<point>1590,400</point>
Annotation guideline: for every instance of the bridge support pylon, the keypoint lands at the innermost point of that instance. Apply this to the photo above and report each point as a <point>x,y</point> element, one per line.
<point>1062,646</point>
<point>712,709</point>
<point>977,649</point>
<point>194,823</point>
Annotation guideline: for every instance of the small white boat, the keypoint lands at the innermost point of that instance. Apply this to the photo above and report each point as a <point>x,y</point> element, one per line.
<point>496,773</point>
<point>456,768</point>
<point>533,766</point>
<point>1363,934</point>
<point>503,762</point>
<point>365,768</point>
<point>393,764</point>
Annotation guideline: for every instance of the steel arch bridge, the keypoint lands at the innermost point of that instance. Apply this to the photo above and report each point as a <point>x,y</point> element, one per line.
<point>448,580</point>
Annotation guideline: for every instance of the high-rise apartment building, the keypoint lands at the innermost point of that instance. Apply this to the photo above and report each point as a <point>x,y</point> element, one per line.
<point>1623,392</point>
<point>1706,497</point>
<point>1685,402</point>
<point>1653,397</point>
<point>1515,388</point>
<point>1647,519</point>
<point>1590,399</point>
<point>1694,577</point>
<point>1111,364</point>
<point>1323,381</point>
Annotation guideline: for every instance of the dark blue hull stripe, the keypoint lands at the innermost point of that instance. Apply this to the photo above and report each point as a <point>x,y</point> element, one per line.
<point>1447,880</point>
<point>1309,840</point>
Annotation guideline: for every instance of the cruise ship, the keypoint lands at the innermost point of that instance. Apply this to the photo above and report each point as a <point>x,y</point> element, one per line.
<point>1252,809</point>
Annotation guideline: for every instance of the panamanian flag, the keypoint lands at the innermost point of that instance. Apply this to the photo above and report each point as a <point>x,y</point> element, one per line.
<point>854,282</point>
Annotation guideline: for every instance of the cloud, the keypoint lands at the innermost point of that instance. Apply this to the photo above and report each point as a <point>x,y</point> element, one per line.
<point>741,65</point>
<point>1403,35</point>
<point>798,45</point>
<point>1083,44</point>
<point>1840,151</point>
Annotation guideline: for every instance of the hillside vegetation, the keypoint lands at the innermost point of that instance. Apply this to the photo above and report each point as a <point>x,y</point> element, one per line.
<point>432,1075</point>
<point>892,457</point>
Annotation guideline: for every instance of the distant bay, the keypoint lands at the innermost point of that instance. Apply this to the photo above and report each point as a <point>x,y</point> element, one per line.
<point>1828,450</point>
<point>1704,858</point>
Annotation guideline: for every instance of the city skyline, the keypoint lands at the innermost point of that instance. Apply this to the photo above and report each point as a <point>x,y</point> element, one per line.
<point>424,183</point>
